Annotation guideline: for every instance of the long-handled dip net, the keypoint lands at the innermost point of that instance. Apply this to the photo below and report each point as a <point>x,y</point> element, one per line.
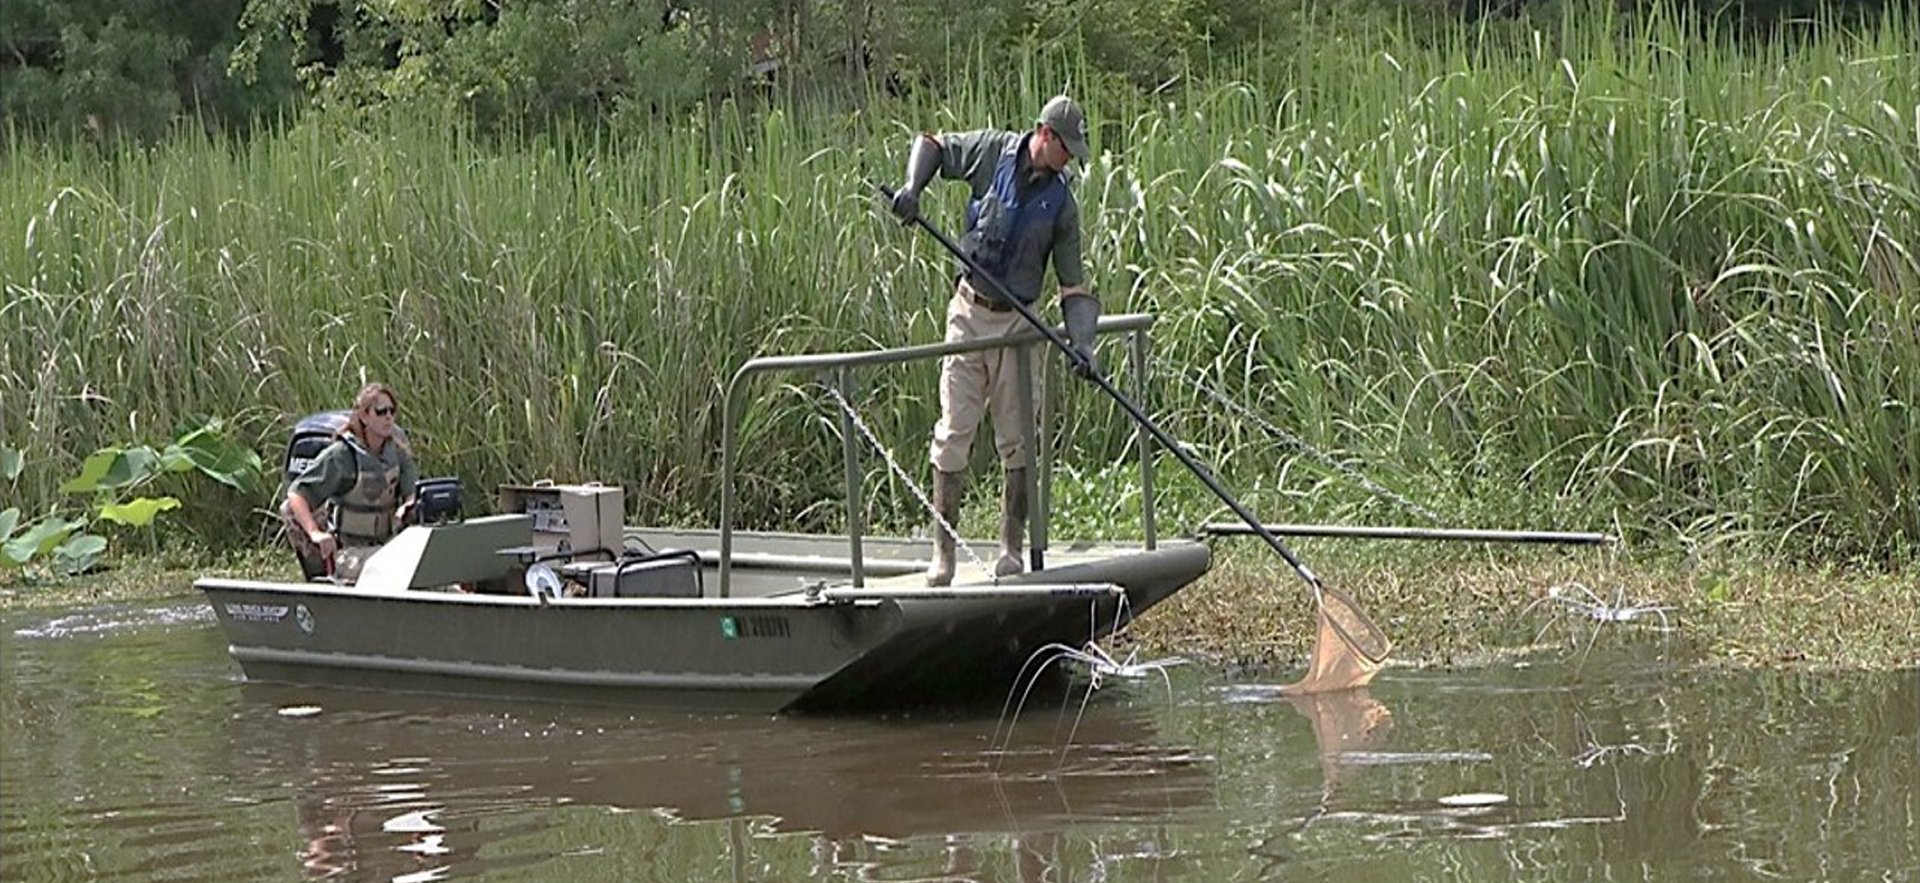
<point>1348,649</point>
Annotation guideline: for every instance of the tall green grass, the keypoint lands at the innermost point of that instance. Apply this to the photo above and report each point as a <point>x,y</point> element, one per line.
<point>1628,275</point>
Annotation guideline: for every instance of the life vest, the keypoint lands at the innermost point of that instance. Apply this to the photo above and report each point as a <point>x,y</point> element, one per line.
<point>997,220</point>
<point>363,516</point>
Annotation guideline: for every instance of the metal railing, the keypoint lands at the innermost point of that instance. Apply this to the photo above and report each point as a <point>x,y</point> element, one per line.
<point>840,367</point>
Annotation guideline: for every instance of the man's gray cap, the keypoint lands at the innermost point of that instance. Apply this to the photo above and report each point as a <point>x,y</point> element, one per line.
<point>1064,117</point>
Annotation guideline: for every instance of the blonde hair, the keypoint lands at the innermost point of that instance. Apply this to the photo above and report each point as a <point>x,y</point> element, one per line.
<point>363,401</point>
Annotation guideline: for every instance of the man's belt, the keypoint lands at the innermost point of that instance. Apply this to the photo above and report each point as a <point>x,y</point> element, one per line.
<point>987,301</point>
<point>991,303</point>
<point>984,300</point>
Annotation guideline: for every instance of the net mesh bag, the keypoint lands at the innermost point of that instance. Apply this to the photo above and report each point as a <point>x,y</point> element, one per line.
<point>1348,649</point>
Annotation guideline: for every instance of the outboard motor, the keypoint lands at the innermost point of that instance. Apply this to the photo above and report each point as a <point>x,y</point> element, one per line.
<point>310,436</point>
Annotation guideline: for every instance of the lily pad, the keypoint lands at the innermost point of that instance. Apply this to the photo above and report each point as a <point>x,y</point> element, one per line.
<point>38,539</point>
<point>218,456</point>
<point>110,468</point>
<point>79,553</point>
<point>138,512</point>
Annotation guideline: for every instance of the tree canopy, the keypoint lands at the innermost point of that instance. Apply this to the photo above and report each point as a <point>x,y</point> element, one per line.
<point>106,68</point>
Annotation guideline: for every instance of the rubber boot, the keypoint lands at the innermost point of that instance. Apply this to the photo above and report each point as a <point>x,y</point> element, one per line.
<point>946,501</point>
<point>1013,524</point>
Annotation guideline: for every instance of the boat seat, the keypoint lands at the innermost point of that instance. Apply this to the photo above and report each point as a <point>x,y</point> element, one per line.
<point>671,573</point>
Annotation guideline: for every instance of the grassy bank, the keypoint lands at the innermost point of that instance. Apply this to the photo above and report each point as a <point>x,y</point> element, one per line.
<point>1468,609</point>
<point>1626,275</point>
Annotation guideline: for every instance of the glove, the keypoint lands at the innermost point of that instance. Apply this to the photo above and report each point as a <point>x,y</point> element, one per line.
<point>1082,313</point>
<point>323,542</point>
<point>906,204</point>
<point>923,159</point>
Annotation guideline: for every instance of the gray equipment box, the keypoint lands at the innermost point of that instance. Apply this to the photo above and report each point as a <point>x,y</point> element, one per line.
<point>581,517</point>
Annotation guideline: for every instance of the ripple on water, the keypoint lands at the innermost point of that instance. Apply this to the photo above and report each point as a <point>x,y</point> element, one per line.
<point>157,839</point>
<point>131,754</point>
<point>1392,758</point>
<point>117,620</point>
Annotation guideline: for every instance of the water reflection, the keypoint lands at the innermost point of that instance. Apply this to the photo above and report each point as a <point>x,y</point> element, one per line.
<point>129,752</point>
<point>1343,723</point>
<point>387,787</point>
<point>1347,724</point>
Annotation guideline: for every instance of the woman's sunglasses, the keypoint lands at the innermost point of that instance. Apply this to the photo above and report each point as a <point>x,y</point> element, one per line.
<point>384,412</point>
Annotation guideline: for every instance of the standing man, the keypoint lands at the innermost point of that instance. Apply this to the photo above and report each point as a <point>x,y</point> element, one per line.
<point>1021,215</point>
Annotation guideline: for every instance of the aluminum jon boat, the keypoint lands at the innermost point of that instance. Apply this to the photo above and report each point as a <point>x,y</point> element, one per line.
<point>702,619</point>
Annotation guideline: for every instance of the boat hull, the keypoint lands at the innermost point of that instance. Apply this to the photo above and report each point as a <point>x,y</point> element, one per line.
<point>834,648</point>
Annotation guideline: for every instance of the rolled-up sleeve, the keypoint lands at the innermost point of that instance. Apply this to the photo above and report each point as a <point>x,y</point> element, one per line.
<point>409,478</point>
<point>327,477</point>
<point>970,157</point>
<point>1067,266</point>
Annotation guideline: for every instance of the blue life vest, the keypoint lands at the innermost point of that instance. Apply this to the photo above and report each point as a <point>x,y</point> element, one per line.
<point>997,221</point>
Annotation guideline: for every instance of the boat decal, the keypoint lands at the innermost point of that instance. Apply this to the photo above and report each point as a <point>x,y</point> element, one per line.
<point>242,612</point>
<point>303,617</point>
<point>735,627</point>
<point>765,627</point>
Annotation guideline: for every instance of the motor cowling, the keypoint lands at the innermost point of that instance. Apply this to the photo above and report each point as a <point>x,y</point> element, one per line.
<point>310,436</point>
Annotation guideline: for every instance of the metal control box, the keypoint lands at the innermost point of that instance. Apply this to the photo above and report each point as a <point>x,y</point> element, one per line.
<point>585,517</point>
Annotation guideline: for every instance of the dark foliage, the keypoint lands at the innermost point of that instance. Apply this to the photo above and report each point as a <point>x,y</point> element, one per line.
<point>108,68</point>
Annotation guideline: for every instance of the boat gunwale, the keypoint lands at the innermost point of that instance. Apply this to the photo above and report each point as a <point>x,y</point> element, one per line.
<point>435,596</point>
<point>798,599</point>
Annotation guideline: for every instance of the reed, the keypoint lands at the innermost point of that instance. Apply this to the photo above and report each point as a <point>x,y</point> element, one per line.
<point>1628,274</point>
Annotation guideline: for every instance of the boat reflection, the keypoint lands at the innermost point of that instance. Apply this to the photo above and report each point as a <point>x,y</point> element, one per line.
<point>392,788</point>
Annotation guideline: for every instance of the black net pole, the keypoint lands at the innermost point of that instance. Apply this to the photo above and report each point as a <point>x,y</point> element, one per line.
<point>1199,470</point>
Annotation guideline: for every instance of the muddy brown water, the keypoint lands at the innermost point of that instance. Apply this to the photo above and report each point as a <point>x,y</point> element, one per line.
<point>131,749</point>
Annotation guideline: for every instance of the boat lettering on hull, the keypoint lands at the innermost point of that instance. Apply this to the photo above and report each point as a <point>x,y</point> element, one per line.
<point>257,612</point>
